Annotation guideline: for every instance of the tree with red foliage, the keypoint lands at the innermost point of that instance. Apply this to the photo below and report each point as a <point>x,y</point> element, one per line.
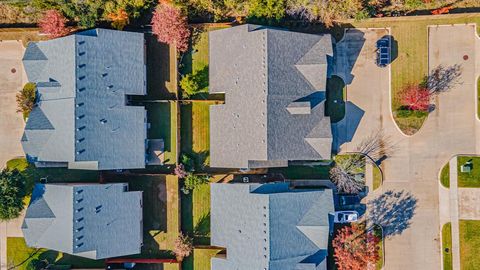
<point>170,26</point>
<point>355,248</point>
<point>415,98</point>
<point>53,23</point>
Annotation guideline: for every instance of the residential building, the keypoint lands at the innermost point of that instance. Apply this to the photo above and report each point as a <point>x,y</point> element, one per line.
<point>274,83</point>
<point>82,119</point>
<point>270,226</point>
<point>95,221</point>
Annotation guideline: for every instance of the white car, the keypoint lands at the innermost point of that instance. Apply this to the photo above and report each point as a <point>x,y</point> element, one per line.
<point>345,216</point>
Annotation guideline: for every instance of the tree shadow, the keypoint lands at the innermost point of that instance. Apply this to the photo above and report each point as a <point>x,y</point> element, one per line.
<point>201,231</point>
<point>442,79</point>
<point>393,210</point>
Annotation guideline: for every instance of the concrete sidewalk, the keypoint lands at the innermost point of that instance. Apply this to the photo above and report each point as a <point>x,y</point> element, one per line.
<point>454,214</point>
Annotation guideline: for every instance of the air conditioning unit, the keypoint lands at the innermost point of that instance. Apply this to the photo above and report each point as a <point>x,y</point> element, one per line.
<point>246,179</point>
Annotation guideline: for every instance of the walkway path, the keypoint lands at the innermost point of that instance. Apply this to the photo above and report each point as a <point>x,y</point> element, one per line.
<point>411,172</point>
<point>454,214</point>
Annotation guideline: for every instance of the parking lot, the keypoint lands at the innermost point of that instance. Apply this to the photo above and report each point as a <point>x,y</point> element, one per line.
<point>11,81</point>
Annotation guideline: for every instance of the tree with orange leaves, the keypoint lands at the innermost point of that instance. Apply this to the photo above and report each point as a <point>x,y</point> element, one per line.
<point>119,19</point>
<point>355,248</point>
<point>53,23</point>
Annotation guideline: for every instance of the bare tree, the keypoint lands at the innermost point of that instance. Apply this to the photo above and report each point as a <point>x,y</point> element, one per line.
<point>348,173</point>
<point>442,79</point>
<point>377,145</point>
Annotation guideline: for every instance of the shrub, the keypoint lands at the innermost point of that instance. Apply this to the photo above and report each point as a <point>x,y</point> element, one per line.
<point>26,99</point>
<point>195,83</point>
<point>187,162</point>
<point>53,23</point>
<point>405,113</point>
<point>192,181</point>
<point>170,26</point>
<point>183,247</point>
<point>180,171</point>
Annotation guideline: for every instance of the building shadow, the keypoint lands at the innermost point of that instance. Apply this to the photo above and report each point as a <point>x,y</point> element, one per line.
<point>393,210</point>
<point>344,130</point>
<point>159,72</point>
<point>346,53</point>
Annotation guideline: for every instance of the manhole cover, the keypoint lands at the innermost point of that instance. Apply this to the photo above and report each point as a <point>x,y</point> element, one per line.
<point>13,70</point>
<point>465,57</point>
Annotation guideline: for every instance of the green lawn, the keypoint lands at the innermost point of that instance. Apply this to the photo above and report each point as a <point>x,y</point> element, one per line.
<point>200,259</point>
<point>471,179</point>
<point>161,69</point>
<point>377,230</point>
<point>447,246</point>
<point>469,244</point>
<point>22,256</point>
<point>335,105</point>
<point>377,177</point>
<point>445,175</point>
<point>410,52</point>
<point>195,131</point>
<point>163,119</point>
<point>303,172</point>
<point>196,59</point>
<point>196,214</point>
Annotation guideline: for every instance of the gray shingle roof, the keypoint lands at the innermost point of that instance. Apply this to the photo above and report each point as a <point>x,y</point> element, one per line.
<point>82,117</point>
<point>270,226</point>
<point>93,221</point>
<point>274,83</point>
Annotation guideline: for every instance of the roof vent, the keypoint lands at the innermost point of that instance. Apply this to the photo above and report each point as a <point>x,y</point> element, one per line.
<point>79,238</point>
<point>80,151</point>
<point>79,200</point>
<point>79,210</point>
<point>80,140</point>
<point>80,104</point>
<point>81,42</point>
<point>81,89</point>
<point>81,128</point>
<point>103,120</point>
<point>79,220</point>
<point>81,77</point>
<point>79,245</point>
<point>81,53</point>
<point>104,74</point>
<point>81,65</point>
<point>79,191</point>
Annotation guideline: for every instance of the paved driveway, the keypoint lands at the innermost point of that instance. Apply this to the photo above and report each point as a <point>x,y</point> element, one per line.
<point>11,122</point>
<point>408,202</point>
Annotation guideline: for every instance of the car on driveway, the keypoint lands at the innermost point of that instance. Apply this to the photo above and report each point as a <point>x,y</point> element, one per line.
<point>345,216</point>
<point>383,52</point>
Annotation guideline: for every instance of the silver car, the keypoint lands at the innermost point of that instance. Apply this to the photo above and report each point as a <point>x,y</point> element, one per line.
<point>345,216</point>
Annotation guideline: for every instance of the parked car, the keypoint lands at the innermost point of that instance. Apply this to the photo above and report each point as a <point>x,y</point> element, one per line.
<point>383,52</point>
<point>345,216</point>
<point>349,200</point>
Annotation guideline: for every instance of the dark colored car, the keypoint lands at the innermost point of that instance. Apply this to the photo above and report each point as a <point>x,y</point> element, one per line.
<point>383,52</point>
